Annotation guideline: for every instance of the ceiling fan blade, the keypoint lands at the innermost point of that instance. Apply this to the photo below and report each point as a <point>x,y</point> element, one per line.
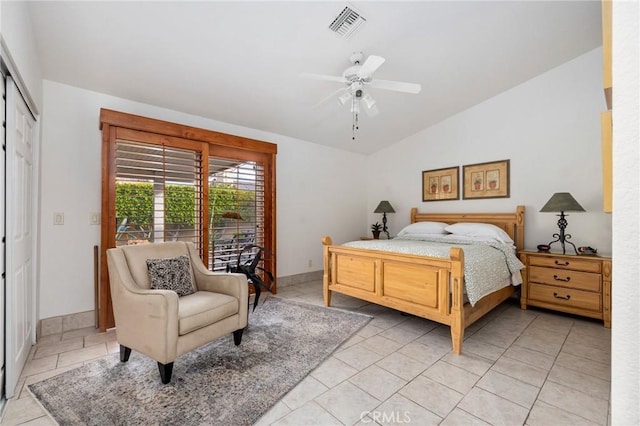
<point>372,63</point>
<point>398,86</point>
<point>333,95</point>
<point>323,77</point>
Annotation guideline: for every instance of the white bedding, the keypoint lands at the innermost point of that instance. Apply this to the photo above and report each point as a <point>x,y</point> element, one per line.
<point>489,264</point>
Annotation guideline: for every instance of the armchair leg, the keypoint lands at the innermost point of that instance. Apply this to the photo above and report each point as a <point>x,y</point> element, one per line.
<point>125,352</point>
<point>165,372</point>
<point>237,336</point>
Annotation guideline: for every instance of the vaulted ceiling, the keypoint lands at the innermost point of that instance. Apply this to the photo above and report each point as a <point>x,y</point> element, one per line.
<point>240,62</point>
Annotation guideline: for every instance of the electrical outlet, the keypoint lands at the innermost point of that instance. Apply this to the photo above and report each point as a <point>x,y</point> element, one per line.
<point>310,263</point>
<point>58,218</point>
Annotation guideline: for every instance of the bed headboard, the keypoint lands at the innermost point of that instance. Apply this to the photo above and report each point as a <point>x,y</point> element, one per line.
<point>512,223</point>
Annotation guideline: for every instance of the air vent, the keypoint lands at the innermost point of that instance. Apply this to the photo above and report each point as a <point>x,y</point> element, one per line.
<point>347,22</point>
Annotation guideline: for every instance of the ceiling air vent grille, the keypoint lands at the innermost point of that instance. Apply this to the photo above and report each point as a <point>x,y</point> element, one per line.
<point>347,22</point>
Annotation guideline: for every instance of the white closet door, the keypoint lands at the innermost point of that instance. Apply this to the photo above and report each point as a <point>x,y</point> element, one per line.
<point>20,286</point>
<point>2,233</point>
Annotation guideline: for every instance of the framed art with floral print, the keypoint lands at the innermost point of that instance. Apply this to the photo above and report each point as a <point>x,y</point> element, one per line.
<point>486,180</point>
<point>440,184</point>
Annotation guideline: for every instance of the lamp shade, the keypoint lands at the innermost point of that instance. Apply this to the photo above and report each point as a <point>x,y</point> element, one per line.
<point>384,207</point>
<point>562,202</point>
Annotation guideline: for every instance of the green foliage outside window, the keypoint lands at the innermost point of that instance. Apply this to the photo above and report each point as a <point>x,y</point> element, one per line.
<point>134,201</point>
<point>224,198</point>
<point>180,205</point>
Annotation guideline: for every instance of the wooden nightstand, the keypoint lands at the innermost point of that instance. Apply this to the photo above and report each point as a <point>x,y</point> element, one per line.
<point>578,285</point>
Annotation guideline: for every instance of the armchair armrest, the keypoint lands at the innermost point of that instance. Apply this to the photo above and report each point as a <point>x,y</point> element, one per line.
<point>235,285</point>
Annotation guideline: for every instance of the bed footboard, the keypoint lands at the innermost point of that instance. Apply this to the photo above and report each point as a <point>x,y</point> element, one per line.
<point>427,287</point>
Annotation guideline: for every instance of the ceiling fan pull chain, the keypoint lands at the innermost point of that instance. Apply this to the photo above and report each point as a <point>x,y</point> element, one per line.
<point>354,126</point>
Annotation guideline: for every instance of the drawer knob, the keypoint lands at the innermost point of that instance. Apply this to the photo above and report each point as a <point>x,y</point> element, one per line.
<point>561,263</point>
<point>557,296</point>
<point>557,278</point>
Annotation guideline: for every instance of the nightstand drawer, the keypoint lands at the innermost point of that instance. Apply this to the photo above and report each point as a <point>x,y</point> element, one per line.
<point>565,297</point>
<point>566,278</point>
<point>573,263</point>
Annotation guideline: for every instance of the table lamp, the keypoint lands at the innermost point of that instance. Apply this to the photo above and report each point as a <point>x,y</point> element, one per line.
<point>384,207</point>
<point>562,202</point>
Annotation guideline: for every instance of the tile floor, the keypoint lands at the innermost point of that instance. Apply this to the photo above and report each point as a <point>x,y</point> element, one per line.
<point>518,367</point>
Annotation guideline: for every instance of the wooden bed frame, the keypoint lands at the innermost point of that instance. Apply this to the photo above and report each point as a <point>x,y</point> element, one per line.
<point>428,287</point>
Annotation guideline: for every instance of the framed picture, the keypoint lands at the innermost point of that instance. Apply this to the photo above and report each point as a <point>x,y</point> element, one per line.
<point>486,180</point>
<point>440,184</point>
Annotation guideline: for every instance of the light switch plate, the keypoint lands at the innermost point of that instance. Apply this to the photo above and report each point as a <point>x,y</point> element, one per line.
<point>58,218</point>
<point>94,218</point>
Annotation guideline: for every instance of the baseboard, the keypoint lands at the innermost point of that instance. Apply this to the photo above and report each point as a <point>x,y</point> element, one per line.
<point>64,323</point>
<point>299,278</point>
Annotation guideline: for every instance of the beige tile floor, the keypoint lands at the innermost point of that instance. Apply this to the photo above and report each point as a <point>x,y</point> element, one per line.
<point>518,367</point>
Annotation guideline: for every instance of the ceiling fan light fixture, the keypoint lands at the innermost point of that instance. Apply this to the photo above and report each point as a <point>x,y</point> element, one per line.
<point>344,98</point>
<point>368,100</point>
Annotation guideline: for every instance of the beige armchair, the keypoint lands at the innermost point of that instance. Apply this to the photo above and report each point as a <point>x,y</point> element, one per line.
<point>162,325</point>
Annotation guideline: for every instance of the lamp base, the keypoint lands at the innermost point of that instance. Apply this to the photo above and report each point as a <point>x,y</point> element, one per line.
<point>384,225</point>
<point>562,243</point>
<point>563,238</point>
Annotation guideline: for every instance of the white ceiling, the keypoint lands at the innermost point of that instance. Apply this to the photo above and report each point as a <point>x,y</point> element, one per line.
<point>239,62</point>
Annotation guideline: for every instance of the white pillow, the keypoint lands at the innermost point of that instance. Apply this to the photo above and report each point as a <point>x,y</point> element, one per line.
<point>428,237</point>
<point>468,238</point>
<point>479,230</point>
<point>424,228</point>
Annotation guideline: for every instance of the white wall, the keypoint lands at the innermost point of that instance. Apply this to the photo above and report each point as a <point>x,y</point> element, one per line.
<point>625,368</point>
<point>549,129</point>
<point>19,48</point>
<point>312,197</point>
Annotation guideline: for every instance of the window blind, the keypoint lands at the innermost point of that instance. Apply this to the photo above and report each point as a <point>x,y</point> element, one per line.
<point>236,209</point>
<point>158,193</point>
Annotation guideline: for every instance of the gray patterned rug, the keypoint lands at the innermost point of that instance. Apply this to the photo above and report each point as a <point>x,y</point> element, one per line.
<point>217,384</point>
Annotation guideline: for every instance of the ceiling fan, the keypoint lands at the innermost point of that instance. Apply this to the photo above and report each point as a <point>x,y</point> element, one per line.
<point>356,78</point>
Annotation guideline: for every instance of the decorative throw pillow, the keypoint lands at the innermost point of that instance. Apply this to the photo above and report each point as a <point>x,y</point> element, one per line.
<point>171,273</point>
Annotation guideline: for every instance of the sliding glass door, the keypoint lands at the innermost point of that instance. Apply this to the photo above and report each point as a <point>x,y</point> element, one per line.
<point>236,209</point>
<point>169,182</point>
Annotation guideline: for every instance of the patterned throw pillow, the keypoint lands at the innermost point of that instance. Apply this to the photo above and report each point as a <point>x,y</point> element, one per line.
<point>171,273</point>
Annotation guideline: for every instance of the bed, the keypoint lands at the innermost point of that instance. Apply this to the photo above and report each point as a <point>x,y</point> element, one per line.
<point>426,286</point>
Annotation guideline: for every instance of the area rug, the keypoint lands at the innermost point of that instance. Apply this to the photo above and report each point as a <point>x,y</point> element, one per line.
<point>217,384</point>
